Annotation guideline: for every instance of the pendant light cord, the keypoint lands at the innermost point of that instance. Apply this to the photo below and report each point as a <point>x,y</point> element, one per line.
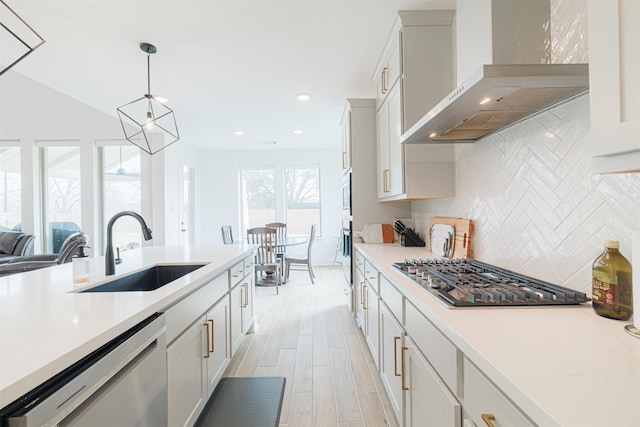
<point>148,74</point>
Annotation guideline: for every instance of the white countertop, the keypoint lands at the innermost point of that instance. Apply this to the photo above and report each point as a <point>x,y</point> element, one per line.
<point>561,365</point>
<point>45,325</point>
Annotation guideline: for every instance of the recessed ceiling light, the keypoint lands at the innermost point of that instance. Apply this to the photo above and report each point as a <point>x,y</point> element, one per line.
<point>485,101</point>
<point>238,132</point>
<point>433,135</point>
<point>304,97</point>
<point>297,131</point>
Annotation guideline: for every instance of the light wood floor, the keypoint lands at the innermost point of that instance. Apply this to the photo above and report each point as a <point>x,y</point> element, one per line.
<point>307,335</point>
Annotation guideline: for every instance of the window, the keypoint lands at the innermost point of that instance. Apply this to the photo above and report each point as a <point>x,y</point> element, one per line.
<point>258,197</point>
<point>10,188</point>
<point>122,192</point>
<point>61,198</point>
<point>302,200</point>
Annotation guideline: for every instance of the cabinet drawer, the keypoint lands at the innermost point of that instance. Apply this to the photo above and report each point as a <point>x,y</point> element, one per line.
<point>441,353</point>
<point>236,273</point>
<point>182,314</point>
<point>371,275</point>
<point>482,397</point>
<point>248,265</point>
<point>359,261</point>
<point>392,298</point>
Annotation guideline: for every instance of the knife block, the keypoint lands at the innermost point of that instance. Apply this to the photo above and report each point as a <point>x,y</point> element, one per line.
<point>410,238</point>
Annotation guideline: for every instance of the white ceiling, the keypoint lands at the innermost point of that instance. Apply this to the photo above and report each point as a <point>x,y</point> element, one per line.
<point>222,65</point>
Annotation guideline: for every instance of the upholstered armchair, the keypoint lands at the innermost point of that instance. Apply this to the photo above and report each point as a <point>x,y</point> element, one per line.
<point>34,262</point>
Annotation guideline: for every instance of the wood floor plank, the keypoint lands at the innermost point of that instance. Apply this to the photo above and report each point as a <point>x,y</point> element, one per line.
<point>321,355</point>
<point>251,357</point>
<point>284,368</point>
<point>372,409</point>
<point>301,410</point>
<point>324,400</point>
<point>347,405</point>
<point>358,362</point>
<point>303,370</point>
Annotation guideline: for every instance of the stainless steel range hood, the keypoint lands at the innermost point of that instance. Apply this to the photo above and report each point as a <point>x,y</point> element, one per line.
<point>495,97</point>
<point>518,83</point>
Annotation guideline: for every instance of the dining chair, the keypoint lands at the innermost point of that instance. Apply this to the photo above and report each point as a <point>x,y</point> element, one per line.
<point>266,259</point>
<point>301,259</point>
<point>227,235</point>
<point>281,238</point>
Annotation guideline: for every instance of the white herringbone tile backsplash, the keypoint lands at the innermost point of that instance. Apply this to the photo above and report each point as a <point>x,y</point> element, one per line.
<point>536,206</point>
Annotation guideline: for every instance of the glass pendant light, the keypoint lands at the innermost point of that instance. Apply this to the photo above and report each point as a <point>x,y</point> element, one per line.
<point>147,121</point>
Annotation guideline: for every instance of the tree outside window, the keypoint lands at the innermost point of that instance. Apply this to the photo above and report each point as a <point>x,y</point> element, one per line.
<point>302,198</point>
<point>258,199</point>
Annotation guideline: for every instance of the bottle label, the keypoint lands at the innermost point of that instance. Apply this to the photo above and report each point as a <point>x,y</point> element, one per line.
<point>605,289</point>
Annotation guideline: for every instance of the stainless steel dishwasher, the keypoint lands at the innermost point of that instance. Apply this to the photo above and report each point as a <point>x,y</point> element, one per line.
<point>123,383</point>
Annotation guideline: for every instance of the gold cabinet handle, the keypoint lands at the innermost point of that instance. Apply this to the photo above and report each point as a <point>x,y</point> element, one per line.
<point>395,357</point>
<point>206,326</point>
<point>404,387</point>
<point>385,180</point>
<point>384,80</point>
<point>344,160</point>
<point>213,336</point>
<point>246,295</point>
<point>362,294</point>
<point>237,273</point>
<point>488,418</point>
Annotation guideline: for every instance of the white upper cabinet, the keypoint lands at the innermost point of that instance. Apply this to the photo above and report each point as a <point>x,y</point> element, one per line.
<point>415,71</point>
<point>614,80</point>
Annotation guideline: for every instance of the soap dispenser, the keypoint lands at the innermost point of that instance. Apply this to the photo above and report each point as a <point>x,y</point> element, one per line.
<point>80,266</point>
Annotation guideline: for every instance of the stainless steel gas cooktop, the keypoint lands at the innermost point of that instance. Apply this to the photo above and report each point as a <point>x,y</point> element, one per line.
<point>471,283</point>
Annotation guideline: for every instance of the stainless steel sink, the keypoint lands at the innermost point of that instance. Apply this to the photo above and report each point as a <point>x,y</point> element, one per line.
<point>147,280</point>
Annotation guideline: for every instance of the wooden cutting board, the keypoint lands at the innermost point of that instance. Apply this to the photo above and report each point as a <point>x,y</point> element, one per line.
<point>463,228</point>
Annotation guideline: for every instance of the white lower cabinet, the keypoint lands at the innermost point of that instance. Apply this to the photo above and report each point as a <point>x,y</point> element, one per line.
<point>391,343</point>
<point>195,363</point>
<point>484,404</point>
<point>372,312</point>
<point>428,401</point>
<point>187,375</point>
<point>241,301</point>
<point>217,353</point>
<point>201,329</point>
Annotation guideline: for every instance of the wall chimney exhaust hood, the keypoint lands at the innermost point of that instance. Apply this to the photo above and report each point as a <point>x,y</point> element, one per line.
<point>518,82</point>
<point>495,97</point>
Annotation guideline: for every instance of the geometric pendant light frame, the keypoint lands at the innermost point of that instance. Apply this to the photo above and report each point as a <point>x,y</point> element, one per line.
<point>17,38</point>
<point>147,121</point>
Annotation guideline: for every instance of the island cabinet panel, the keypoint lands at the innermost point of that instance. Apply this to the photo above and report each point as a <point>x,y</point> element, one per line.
<point>182,314</point>
<point>428,400</point>
<point>241,301</point>
<point>218,354</point>
<point>484,402</point>
<point>204,328</point>
<point>187,375</point>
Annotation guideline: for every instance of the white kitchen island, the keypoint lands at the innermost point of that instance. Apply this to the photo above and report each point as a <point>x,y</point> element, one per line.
<point>550,366</point>
<point>47,325</point>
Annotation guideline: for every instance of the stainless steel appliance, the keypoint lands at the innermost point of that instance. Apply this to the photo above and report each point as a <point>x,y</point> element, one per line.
<point>346,194</point>
<point>346,247</point>
<point>123,382</point>
<point>470,283</point>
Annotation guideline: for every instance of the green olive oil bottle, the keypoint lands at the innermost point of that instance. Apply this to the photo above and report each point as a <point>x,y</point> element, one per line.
<point>612,295</point>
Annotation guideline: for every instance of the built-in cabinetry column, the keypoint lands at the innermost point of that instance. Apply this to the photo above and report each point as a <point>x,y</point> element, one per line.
<point>614,84</point>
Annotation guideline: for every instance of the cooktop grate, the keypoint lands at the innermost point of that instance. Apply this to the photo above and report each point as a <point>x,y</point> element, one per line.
<point>471,283</point>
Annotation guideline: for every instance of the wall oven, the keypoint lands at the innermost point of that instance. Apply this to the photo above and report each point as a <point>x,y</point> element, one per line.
<point>346,194</point>
<point>346,247</point>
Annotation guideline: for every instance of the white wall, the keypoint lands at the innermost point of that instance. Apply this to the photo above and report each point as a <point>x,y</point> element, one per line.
<point>219,195</point>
